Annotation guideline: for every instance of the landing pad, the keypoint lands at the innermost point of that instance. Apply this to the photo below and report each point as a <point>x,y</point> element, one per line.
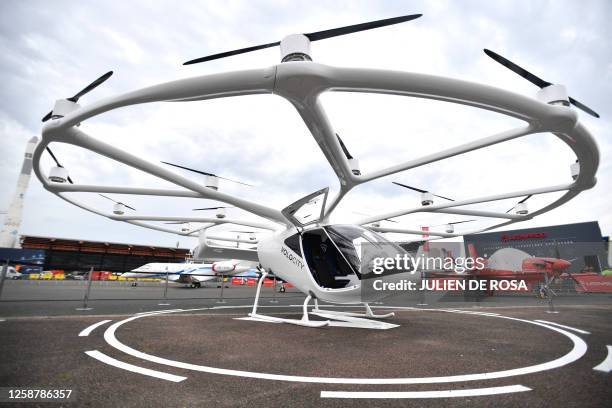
<point>482,356</point>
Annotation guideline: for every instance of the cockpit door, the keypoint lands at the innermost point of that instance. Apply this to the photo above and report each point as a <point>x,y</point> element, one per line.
<point>307,210</point>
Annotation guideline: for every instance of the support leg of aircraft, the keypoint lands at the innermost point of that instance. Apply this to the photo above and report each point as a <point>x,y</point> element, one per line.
<point>304,321</point>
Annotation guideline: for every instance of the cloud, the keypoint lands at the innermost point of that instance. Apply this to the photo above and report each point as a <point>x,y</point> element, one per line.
<point>52,51</point>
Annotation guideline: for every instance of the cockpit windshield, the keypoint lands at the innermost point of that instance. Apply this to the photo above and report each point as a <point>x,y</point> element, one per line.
<point>350,238</point>
<point>334,253</point>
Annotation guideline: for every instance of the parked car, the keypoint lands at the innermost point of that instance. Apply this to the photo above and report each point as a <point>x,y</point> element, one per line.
<point>12,273</point>
<point>75,275</point>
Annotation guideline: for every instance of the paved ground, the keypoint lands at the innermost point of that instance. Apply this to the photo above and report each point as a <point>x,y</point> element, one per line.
<point>47,352</point>
<point>61,298</point>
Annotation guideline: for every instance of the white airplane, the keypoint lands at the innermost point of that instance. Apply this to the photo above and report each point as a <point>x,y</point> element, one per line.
<point>191,274</point>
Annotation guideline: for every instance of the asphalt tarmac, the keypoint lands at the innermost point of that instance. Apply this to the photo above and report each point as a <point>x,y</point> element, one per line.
<point>208,358</point>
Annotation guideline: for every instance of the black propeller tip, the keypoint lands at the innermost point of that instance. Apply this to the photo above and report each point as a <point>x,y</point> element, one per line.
<point>47,116</point>
<point>335,32</point>
<point>91,86</point>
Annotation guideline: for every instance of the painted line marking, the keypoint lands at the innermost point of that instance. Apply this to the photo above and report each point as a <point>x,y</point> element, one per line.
<point>135,369</point>
<point>606,365</point>
<point>565,327</point>
<point>471,312</point>
<point>425,394</point>
<point>88,330</point>
<point>160,311</point>
<point>578,350</point>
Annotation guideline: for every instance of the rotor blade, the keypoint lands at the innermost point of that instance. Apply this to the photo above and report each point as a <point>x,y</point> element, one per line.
<point>520,202</point>
<point>334,32</point>
<point>187,168</point>
<point>108,198</point>
<point>235,181</point>
<point>344,149</point>
<point>206,174</point>
<point>230,53</point>
<point>453,223</point>
<point>525,199</point>
<point>54,158</point>
<point>69,180</point>
<point>521,71</point>
<point>209,208</point>
<point>583,107</point>
<point>47,116</point>
<point>127,206</point>
<point>421,191</point>
<point>117,202</point>
<point>318,35</point>
<point>390,220</point>
<point>446,198</point>
<point>369,215</point>
<point>411,188</point>
<point>176,222</point>
<point>459,222</point>
<point>91,86</point>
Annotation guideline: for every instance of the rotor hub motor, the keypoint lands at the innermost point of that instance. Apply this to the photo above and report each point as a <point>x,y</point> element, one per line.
<point>212,182</point>
<point>63,107</point>
<point>58,174</point>
<point>554,95</point>
<point>295,47</point>
<point>427,199</point>
<point>220,213</point>
<point>354,165</point>
<point>521,209</point>
<point>449,228</point>
<point>575,169</point>
<point>119,209</point>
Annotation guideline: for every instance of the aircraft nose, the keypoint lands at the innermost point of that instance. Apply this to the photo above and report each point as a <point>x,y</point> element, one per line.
<point>561,264</point>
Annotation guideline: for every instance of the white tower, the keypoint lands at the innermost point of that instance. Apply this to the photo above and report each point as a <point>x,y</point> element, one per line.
<point>9,235</point>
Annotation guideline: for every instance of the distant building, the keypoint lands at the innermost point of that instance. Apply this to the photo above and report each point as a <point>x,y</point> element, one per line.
<point>79,255</point>
<point>580,243</point>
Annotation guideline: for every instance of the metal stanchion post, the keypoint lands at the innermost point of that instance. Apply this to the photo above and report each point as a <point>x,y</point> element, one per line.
<point>86,297</point>
<point>3,275</point>
<point>221,300</point>
<point>549,293</point>
<point>274,292</point>
<point>165,302</point>
<point>422,293</point>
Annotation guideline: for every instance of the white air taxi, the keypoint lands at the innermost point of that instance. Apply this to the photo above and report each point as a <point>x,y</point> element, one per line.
<point>319,257</point>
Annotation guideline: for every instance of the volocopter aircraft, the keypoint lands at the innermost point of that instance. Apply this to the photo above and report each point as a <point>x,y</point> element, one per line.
<point>302,244</point>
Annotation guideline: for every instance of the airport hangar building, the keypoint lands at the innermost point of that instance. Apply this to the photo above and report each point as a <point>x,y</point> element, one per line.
<point>581,242</point>
<point>80,255</point>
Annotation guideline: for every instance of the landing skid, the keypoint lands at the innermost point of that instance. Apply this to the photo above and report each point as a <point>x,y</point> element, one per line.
<point>369,314</point>
<point>338,319</point>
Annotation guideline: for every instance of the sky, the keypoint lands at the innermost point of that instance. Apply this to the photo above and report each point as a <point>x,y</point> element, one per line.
<point>50,50</point>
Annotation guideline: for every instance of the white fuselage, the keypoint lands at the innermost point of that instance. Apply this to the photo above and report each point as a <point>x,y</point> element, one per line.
<point>291,265</point>
<point>190,272</point>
